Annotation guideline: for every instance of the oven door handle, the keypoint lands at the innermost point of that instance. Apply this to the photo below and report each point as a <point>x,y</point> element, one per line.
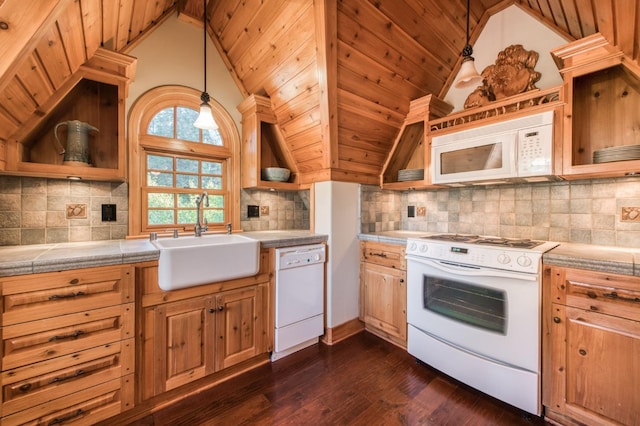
<point>470,271</point>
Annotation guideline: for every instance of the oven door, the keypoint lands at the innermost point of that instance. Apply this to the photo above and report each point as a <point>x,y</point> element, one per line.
<point>492,313</point>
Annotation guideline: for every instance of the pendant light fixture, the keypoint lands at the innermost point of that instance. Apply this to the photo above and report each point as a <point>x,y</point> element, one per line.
<point>205,119</point>
<point>468,75</point>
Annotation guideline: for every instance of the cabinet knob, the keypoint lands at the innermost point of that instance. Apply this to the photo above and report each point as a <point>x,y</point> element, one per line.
<point>221,308</point>
<point>556,320</point>
<point>582,352</point>
<point>211,310</point>
<point>401,280</point>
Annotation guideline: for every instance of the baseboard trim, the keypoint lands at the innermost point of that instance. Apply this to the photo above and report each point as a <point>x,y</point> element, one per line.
<point>342,331</point>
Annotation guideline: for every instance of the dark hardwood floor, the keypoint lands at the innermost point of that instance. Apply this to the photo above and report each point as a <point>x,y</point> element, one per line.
<point>361,381</point>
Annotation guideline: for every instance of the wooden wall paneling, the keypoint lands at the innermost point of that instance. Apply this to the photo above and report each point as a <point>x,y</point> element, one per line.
<point>70,24</point>
<point>220,15</point>
<point>282,55</point>
<point>585,17</point>
<point>33,78</point>
<point>137,19</point>
<point>369,109</point>
<point>625,25</point>
<point>51,53</point>
<point>91,25</point>
<point>28,22</point>
<point>238,22</point>
<point>572,18</point>
<point>604,20</point>
<point>558,14</point>
<point>353,35</point>
<point>304,120</point>
<point>8,124</point>
<point>372,159</point>
<point>22,105</point>
<point>110,19</point>
<point>283,91</point>
<point>305,138</point>
<point>263,31</point>
<point>125,12</point>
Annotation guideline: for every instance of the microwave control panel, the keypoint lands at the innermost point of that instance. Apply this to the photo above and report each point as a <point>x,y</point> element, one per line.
<point>534,150</point>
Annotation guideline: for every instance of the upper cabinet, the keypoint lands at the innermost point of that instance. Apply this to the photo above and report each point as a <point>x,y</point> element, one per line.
<point>80,131</point>
<point>408,164</point>
<point>263,146</point>
<point>601,120</point>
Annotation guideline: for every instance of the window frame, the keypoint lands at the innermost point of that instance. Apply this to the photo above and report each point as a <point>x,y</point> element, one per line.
<point>141,144</point>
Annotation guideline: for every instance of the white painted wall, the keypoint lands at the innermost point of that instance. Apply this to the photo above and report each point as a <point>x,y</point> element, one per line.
<point>513,26</point>
<point>173,54</point>
<point>336,214</point>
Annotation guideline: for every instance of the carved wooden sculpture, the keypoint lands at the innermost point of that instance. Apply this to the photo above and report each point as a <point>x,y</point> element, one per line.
<point>512,73</point>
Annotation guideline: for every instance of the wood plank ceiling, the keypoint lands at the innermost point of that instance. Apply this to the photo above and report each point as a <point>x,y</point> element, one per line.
<point>340,73</point>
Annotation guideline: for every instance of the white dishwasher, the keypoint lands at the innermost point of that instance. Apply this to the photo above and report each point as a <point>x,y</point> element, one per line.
<point>299,298</point>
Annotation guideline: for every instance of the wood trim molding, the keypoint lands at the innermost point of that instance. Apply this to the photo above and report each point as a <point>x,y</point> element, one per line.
<point>342,331</point>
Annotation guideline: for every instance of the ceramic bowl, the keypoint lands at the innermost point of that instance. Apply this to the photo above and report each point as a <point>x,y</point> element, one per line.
<point>276,174</point>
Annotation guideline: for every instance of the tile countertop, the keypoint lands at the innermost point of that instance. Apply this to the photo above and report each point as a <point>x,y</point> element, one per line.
<point>615,260</point>
<point>31,259</point>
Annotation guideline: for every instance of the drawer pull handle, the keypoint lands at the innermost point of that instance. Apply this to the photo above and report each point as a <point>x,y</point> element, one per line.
<point>592,294</point>
<point>377,254</point>
<point>74,281</point>
<point>60,420</point>
<point>73,335</point>
<point>25,388</point>
<point>614,295</point>
<point>72,376</point>
<point>67,296</point>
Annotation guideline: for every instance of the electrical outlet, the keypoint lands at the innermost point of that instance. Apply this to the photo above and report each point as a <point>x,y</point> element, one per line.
<point>411,211</point>
<point>109,213</point>
<point>422,211</point>
<point>253,211</point>
<point>630,214</point>
<point>264,210</point>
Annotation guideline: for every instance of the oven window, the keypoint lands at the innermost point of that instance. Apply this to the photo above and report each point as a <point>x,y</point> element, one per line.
<point>471,304</point>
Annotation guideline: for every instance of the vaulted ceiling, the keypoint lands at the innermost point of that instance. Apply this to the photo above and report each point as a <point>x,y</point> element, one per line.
<point>340,73</point>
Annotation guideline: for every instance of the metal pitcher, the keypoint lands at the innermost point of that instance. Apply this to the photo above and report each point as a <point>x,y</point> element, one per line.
<point>77,151</point>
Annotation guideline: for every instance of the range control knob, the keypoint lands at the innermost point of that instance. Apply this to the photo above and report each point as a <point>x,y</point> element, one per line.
<point>316,257</point>
<point>413,247</point>
<point>423,248</point>
<point>504,259</point>
<point>524,260</point>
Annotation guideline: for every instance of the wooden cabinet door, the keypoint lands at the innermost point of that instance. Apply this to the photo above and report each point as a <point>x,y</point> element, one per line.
<point>384,304</point>
<point>182,334</point>
<point>595,366</point>
<point>240,328</point>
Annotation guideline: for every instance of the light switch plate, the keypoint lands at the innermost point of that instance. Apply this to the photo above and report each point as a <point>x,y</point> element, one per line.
<point>411,211</point>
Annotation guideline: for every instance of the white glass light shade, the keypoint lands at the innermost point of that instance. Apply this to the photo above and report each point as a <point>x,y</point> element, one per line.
<point>468,75</point>
<point>205,118</point>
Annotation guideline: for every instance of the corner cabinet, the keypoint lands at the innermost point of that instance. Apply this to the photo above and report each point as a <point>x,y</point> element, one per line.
<point>94,95</point>
<point>409,162</point>
<point>68,352</point>
<point>601,120</point>
<point>200,331</point>
<point>591,347</point>
<point>383,291</point>
<point>263,146</point>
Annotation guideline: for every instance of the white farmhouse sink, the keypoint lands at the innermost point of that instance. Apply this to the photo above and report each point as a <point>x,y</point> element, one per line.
<point>191,261</point>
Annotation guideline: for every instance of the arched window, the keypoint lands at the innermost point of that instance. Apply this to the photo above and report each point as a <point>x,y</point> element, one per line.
<point>171,162</point>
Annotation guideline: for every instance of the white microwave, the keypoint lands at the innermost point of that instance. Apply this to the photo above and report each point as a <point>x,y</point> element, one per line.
<point>520,149</point>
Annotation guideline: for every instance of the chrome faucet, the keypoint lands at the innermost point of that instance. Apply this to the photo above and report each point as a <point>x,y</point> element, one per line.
<point>201,227</point>
<point>228,228</point>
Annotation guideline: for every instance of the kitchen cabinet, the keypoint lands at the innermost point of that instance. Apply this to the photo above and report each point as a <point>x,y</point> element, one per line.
<point>410,153</point>
<point>591,347</point>
<point>95,95</point>
<point>196,332</point>
<point>383,290</point>
<point>263,146</point>
<point>602,92</point>
<point>68,345</point>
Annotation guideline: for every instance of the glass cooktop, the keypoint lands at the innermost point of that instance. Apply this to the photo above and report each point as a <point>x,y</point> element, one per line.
<point>524,243</point>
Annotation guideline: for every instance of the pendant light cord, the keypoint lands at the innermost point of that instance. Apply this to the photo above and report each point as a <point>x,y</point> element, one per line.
<point>467,50</point>
<point>205,95</point>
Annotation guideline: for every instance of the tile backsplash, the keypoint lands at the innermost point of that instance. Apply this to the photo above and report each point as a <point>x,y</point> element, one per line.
<point>41,210</point>
<point>277,210</point>
<point>585,211</point>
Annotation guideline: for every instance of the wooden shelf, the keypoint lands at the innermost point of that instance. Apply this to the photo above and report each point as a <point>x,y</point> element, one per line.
<point>602,103</point>
<point>263,145</point>
<point>96,95</point>
<point>410,149</point>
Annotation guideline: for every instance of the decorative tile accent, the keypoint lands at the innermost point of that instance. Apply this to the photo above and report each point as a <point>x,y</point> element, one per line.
<point>76,211</point>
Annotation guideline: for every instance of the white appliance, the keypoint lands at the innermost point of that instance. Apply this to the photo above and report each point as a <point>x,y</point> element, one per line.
<point>514,150</point>
<point>473,309</point>
<point>299,304</point>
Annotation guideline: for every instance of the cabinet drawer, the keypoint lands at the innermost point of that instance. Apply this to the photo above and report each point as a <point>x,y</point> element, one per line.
<point>38,296</point>
<point>611,294</point>
<point>390,255</point>
<point>41,340</point>
<point>48,380</point>
<point>85,407</point>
